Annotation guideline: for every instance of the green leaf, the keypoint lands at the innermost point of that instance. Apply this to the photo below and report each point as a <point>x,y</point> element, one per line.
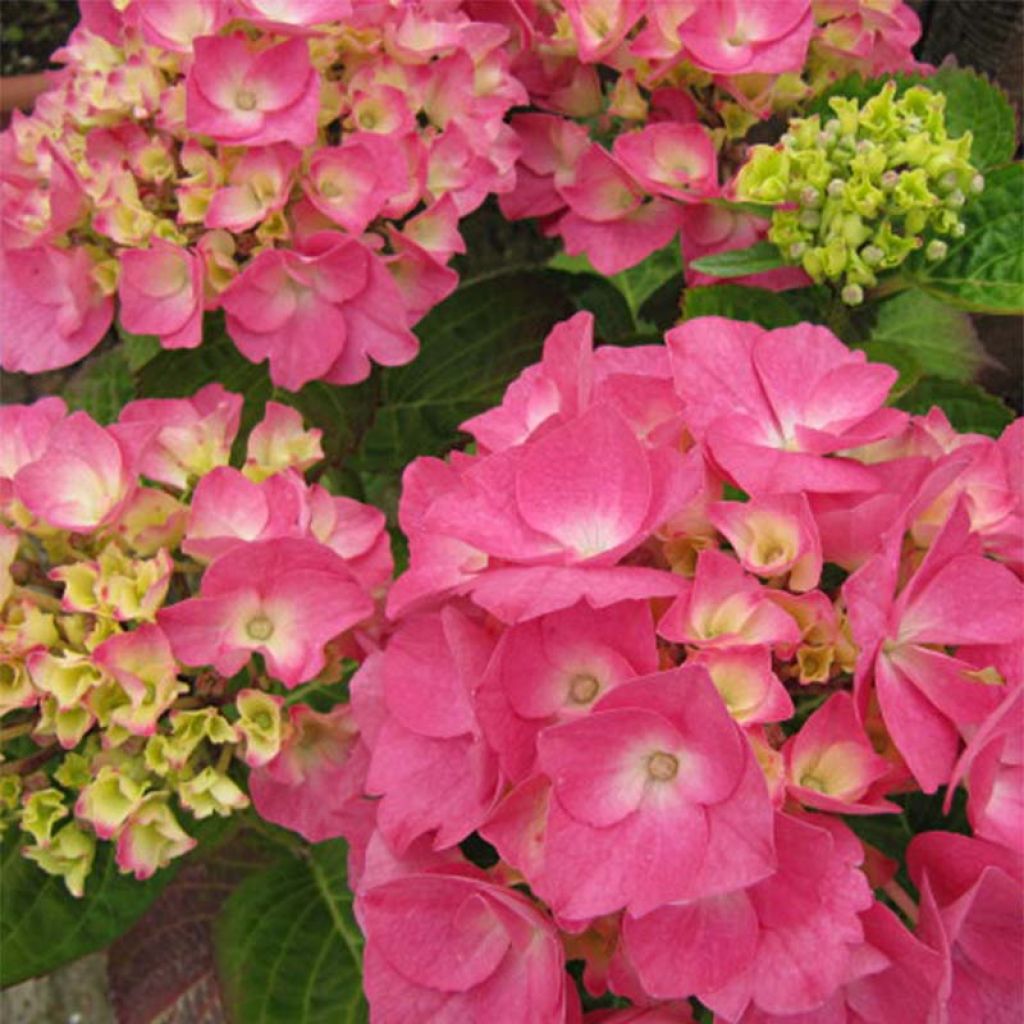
<point>472,345</point>
<point>42,926</point>
<point>287,946</point>
<point>102,385</point>
<point>756,259</point>
<point>969,408</point>
<point>983,271</point>
<point>972,104</point>
<point>636,284</point>
<point>757,305</point>
<point>139,349</point>
<point>922,336</point>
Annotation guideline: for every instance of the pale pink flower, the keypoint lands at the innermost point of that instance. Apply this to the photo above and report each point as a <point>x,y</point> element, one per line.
<point>748,36</point>
<point>24,434</point>
<point>53,310</point>
<point>677,161</point>
<point>160,291</point>
<point>258,185</point>
<point>832,766</point>
<point>183,438</point>
<point>81,480</point>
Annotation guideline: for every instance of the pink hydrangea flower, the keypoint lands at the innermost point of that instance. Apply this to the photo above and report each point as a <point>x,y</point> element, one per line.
<point>972,912</point>
<point>53,310</point>
<point>241,96</point>
<point>653,797</point>
<point>314,785</point>
<point>160,290</point>
<point>256,599</point>
<point>832,766</point>
<point>955,597</point>
<point>724,607</point>
<point>550,505</point>
<point>677,161</point>
<point>450,947</point>
<point>24,434</point>
<point>554,669</point>
<point>748,36</point>
<point>259,185</point>
<point>773,535</point>
<point>753,947</point>
<point>772,406</point>
<point>321,312</point>
<point>184,437</point>
<point>429,732</point>
<point>992,765</point>
<point>81,480</point>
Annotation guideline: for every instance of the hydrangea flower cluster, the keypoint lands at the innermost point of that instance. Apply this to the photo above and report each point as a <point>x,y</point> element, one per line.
<point>301,165</point>
<point>156,612</point>
<point>623,658</point>
<point>857,194</point>
<point>644,103</point>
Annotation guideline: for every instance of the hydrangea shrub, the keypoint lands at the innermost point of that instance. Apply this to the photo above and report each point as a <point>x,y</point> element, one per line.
<point>532,547</point>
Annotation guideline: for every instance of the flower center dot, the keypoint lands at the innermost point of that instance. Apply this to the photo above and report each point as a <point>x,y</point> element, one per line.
<point>260,628</point>
<point>662,767</point>
<point>245,100</point>
<point>583,689</point>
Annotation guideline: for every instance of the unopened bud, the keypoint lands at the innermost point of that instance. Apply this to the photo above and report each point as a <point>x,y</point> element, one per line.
<point>836,187</point>
<point>890,180</point>
<point>936,250</point>
<point>978,184</point>
<point>852,295</point>
<point>958,230</point>
<point>797,249</point>
<point>810,197</point>
<point>956,199</point>
<point>872,255</point>
<point>810,219</point>
<point>948,181</point>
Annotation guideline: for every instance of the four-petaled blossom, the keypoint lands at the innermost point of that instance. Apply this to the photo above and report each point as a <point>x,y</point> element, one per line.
<point>161,293</point>
<point>257,599</point>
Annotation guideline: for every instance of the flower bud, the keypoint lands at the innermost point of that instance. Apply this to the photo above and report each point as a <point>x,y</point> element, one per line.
<point>936,250</point>
<point>852,295</point>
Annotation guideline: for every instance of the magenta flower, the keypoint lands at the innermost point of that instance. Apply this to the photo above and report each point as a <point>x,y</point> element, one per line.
<point>428,731</point>
<point>772,406</point>
<point>241,96</point>
<point>653,797</point>
<point>971,912</point>
<point>955,597</point>
<point>320,312</point>
<point>754,948</point>
<point>448,947</point>
<point>257,599</point>
<point>314,784</point>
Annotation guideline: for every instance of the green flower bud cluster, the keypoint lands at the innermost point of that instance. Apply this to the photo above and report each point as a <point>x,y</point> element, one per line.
<point>863,190</point>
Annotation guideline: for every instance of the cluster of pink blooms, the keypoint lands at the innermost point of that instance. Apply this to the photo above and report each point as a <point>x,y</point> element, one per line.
<point>301,164</point>
<point>614,658</point>
<point>139,575</point>
<point>690,78</point>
